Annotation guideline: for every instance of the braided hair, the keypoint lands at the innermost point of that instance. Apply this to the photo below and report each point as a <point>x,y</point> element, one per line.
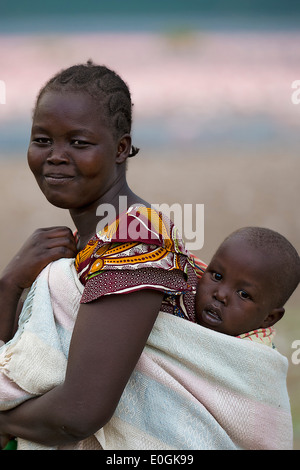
<point>105,86</point>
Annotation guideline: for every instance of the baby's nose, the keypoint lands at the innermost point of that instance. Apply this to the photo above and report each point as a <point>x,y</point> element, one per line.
<point>221,294</point>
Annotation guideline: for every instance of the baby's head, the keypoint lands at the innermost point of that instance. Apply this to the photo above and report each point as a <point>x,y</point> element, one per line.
<point>249,279</point>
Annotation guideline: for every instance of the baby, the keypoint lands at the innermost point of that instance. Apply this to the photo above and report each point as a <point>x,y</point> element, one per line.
<point>249,279</point>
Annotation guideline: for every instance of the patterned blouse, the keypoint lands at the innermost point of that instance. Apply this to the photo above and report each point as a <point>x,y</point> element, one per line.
<point>141,249</point>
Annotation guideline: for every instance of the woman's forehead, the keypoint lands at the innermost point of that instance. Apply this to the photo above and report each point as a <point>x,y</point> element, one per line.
<point>79,108</point>
<point>70,101</point>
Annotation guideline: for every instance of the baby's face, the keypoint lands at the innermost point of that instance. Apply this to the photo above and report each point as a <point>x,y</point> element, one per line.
<point>234,295</point>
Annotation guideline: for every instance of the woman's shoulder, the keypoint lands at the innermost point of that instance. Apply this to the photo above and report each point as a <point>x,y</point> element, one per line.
<point>140,237</point>
<point>140,249</point>
<point>145,225</point>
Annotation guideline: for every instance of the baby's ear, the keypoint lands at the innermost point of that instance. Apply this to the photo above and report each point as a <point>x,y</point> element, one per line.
<point>274,316</point>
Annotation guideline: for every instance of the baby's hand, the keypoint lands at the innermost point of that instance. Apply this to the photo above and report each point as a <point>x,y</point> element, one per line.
<point>44,245</point>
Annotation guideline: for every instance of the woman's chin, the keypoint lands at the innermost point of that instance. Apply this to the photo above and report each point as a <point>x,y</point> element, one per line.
<point>59,202</point>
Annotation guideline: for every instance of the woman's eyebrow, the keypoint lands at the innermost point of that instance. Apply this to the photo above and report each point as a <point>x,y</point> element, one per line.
<point>81,131</point>
<point>72,132</point>
<point>37,128</point>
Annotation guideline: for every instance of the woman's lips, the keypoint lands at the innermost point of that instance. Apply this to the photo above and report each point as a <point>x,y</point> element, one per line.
<point>58,179</point>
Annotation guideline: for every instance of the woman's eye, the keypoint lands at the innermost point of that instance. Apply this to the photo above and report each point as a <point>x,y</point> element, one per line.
<point>42,140</point>
<point>216,276</point>
<point>243,294</point>
<point>79,143</point>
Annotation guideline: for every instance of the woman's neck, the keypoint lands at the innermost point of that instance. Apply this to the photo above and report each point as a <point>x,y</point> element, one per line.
<point>90,219</point>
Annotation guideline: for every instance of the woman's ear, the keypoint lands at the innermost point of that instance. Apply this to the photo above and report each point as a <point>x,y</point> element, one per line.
<point>274,316</point>
<point>123,148</point>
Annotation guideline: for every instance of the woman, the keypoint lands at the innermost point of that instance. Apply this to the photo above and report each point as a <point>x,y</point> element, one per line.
<point>79,145</point>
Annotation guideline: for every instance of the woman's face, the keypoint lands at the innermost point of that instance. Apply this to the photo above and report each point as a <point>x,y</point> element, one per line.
<point>72,152</point>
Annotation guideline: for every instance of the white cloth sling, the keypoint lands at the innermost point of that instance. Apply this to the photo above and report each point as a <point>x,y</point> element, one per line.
<point>192,388</point>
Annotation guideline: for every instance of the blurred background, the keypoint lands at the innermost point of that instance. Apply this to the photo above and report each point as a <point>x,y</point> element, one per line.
<point>211,83</point>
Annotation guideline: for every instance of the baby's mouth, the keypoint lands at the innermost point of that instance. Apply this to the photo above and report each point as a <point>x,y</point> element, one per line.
<point>212,314</point>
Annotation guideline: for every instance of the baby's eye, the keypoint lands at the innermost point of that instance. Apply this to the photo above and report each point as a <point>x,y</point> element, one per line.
<point>216,276</point>
<point>243,294</point>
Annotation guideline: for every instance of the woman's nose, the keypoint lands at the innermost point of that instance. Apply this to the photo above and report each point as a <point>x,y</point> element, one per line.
<point>57,155</point>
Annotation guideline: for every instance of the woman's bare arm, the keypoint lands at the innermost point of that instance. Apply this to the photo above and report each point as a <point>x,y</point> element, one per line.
<point>109,336</point>
<point>9,298</point>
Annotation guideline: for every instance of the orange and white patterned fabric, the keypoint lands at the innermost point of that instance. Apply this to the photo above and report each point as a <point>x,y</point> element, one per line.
<point>141,249</point>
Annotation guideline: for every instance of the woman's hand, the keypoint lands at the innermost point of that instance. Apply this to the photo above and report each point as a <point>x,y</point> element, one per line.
<point>4,440</point>
<point>44,245</point>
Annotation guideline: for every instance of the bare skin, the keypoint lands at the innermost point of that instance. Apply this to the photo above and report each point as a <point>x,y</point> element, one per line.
<point>236,293</point>
<point>78,171</point>
<point>44,246</point>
